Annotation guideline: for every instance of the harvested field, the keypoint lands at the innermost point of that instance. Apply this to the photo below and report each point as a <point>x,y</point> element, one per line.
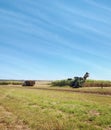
<point>9,121</point>
<point>24,108</point>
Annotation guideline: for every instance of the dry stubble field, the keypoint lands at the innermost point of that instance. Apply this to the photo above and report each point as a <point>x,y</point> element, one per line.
<point>35,109</point>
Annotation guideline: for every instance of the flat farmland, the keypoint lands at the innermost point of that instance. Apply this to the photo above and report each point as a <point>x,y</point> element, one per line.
<point>36,109</point>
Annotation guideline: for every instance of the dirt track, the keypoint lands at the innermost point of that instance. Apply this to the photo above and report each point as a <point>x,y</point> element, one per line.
<point>77,90</point>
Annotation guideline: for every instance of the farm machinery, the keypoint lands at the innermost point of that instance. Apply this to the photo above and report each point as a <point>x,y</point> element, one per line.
<point>78,82</point>
<point>28,83</point>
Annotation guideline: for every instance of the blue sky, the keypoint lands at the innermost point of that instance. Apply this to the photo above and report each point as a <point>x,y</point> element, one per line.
<point>55,39</point>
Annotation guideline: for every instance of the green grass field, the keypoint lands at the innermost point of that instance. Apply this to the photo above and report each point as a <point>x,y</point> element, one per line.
<point>34,109</point>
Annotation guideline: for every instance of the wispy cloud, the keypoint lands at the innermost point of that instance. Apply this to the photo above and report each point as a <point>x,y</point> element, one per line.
<point>38,36</point>
<point>98,4</point>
